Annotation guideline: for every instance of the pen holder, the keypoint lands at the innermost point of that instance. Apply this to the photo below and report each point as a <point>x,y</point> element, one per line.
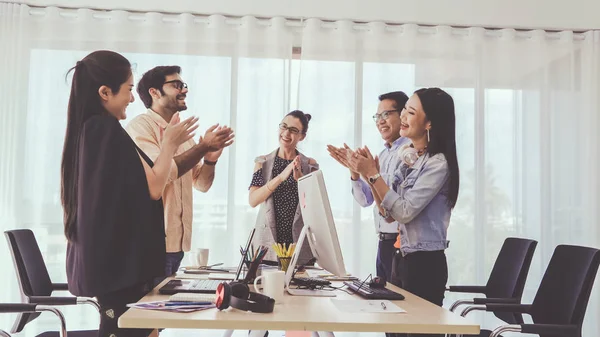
<point>251,273</point>
<point>284,262</point>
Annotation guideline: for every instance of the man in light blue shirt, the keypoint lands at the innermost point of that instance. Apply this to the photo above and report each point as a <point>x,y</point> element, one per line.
<point>387,120</point>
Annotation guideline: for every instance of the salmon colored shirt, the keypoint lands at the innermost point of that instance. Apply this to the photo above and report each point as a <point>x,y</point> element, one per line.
<point>147,131</point>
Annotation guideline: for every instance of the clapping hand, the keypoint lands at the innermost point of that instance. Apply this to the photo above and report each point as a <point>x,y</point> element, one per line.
<point>217,138</point>
<point>178,132</point>
<point>363,162</point>
<point>297,168</point>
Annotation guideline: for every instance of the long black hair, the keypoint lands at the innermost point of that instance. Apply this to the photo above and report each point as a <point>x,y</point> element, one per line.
<point>438,106</point>
<point>99,68</point>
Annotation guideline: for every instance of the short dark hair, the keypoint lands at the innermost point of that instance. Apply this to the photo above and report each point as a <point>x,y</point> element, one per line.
<point>154,78</point>
<point>304,119</point>
<point>399,98</point>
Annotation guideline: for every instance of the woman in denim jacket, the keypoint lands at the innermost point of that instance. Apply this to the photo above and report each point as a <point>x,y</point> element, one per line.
<point>423,193</point>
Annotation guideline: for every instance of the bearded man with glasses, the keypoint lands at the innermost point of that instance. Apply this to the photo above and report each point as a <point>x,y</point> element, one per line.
<point>163,92</point>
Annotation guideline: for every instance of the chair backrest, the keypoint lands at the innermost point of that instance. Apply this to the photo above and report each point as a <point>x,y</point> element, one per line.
<point>508,276</point>
<point>31,270</point>
<point>564,292</point>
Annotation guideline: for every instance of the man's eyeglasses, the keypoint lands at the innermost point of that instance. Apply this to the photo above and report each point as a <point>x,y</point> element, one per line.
<point>177,84</point>
<point>291,129</point>
<point>383,115</point>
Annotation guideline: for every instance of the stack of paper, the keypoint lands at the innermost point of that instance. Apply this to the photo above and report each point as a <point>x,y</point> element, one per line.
<point>172,306</point>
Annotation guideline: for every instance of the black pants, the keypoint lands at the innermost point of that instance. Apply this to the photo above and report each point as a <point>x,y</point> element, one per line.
<point>424,274</point>
<point>172,263</point>
<point>385,257</point>
<point>113,305</point>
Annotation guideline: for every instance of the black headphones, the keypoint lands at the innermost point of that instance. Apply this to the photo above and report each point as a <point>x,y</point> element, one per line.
<point>239,296</point>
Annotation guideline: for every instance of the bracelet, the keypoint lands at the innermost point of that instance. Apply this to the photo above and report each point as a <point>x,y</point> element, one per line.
<point>210,163</point>
<point>267,184</point>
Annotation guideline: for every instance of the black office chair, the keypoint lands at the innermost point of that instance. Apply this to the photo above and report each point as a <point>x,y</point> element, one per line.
<point>22,308</point>
<point>559,306</point>
<point>507,279</point>
<point>34,280</point>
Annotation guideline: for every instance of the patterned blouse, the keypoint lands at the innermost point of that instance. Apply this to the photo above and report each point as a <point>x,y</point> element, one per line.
<point>285,199</point>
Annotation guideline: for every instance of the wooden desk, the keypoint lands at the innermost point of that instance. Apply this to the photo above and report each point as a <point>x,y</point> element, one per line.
<point>301,313</point>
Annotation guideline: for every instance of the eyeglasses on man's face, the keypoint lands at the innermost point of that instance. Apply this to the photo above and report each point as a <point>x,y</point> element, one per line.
<point>179,85</point>
<point>385,114</point>
<point>291,129</point>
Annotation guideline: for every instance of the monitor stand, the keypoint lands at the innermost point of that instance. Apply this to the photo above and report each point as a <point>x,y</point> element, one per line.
<point>290,272</point>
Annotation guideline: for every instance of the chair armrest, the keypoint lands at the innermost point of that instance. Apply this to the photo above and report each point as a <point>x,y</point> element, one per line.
<point>458,303</point>
<point>17,307</point>
<point>53,300</point>
<point>496,301</point>
<point>550,329</point>
<point>60,286</point>
<point>516,308</point>
<point>467,289</point>
<point>57,300</point>
<point>34,307</point>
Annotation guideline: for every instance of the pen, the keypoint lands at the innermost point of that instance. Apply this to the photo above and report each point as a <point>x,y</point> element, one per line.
<point>172,304</point>
<point>383,306</point>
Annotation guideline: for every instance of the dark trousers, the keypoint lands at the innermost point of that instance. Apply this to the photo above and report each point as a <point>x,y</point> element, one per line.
<point>172,263</point>
<point>424,274</point>
<point>113,305</point>
<point>385,257</point>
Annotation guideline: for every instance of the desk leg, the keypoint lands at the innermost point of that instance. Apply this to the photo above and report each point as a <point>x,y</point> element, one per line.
<point>257,333</point>
<point>228,333</point>
<point>322,334</point>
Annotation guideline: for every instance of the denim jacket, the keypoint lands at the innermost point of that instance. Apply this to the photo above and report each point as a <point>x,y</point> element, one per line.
<point>418,201</point>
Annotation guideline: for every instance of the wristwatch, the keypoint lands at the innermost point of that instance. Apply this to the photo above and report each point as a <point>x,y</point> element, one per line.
<point>373,179</point>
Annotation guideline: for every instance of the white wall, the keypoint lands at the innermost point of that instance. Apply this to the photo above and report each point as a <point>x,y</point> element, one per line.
<point>544,14</point>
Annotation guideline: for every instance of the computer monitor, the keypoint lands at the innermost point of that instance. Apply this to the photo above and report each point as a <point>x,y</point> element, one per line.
<point>319,227</point>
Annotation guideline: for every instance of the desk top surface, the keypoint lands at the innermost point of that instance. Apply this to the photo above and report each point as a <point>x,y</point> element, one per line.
<point>302,313</point>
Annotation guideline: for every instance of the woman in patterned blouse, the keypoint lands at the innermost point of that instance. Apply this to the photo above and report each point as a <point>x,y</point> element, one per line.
<point>277,189</point>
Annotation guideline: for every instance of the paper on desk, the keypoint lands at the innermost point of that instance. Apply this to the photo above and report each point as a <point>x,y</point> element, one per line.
<point>316,272</point>
<point>173,306</point>
<point>328,276</point>
<point>366,306</point>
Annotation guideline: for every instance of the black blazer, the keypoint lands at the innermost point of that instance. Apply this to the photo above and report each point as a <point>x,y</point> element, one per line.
<point>120,236</point>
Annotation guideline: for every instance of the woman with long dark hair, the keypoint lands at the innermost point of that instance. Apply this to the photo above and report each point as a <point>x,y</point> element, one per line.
<point>110,192</point>
<point>423,193</point>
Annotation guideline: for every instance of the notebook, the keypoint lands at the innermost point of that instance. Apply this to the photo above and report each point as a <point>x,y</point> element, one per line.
<point>192,297</point>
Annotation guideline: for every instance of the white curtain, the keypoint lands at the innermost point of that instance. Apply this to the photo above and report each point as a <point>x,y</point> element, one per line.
<point>526,119</point>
